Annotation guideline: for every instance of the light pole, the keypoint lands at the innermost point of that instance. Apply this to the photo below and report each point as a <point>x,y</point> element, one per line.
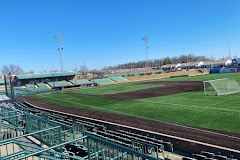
<point>59,38</point>
<point>145,39</point>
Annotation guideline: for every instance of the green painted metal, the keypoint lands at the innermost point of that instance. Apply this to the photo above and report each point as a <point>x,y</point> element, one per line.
<point>46,75</point>
<point>49,148</point>
<point>114,146</point>
<point>28,134</point>
<point>56,137</point>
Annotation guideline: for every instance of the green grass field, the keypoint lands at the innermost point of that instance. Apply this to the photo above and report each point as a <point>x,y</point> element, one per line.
<point>189,108</point>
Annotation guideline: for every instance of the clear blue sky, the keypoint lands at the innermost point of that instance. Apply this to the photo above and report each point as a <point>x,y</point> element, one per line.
<point>108,32</point>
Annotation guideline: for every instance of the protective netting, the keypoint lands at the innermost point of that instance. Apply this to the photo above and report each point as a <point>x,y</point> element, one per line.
<point>221,87</point>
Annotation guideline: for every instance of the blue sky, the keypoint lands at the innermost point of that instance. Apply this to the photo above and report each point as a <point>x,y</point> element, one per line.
<point>108,32</point>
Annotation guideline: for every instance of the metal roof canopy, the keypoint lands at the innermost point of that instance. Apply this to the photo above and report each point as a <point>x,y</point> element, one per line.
<point>4,98</point>
<point>46,75</point>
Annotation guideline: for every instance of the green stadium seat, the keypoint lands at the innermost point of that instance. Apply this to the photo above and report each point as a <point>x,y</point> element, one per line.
<point>208,154</point>
<point>188,158</point>
<point>59,84</point>
<point>220,157</point>
<point>103,80</point>
<point>118,79</point>
<point>199,157</point>
<point>81,82</point>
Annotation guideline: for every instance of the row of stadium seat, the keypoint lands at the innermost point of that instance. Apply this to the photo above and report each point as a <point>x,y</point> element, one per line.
<point>81,82</point>
<point>59,84</point>
<point>136,73</point>
<point>120,136</point>
<point>167,145</point>
<point>118,79</point>
<point>207,156</point>
<point>110,80</point>
<point>103,80</point>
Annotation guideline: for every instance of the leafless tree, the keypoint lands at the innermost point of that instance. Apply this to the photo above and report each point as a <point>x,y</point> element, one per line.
<point>83,69</point>
<point>11,69</point>
<point>30,72</point>
<point>158,62</point>
<point>54,70</point>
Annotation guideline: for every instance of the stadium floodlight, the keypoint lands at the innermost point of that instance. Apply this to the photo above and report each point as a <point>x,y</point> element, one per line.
<point>59,38</point>
<point>221,87</point>
<point>145,39</point>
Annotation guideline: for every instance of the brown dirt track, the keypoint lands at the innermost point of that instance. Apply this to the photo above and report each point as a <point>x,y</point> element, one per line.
<point>171,129</point>
<point>170,87</point>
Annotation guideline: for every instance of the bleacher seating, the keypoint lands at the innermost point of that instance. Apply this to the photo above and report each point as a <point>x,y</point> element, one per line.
<point>208,156</point>
<point>118,78</point>
<point>120,136</point>
<point>30,86</point>
<point>59,84</point>
<point>81,82</point>
<point>103,81</point>
<point>42,86</point>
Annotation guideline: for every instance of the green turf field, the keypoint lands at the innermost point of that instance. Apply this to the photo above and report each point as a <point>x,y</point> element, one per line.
<point>117,88</point>
<point>190,108</point>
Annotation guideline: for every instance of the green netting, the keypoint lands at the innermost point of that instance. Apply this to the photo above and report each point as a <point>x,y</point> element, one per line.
<point>221,87</point>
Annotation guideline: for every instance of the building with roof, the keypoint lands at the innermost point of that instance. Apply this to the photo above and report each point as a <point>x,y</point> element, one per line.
<point>171,66</point>
<point>23,79</point>
<point>217,63</point>
<point>200,64</point>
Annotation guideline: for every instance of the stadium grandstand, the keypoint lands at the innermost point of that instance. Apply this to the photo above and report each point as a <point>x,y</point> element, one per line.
<point>28,132</point>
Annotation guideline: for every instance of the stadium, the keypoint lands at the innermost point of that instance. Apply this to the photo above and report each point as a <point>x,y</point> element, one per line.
<point>57,116</point>
<point>108,95</point>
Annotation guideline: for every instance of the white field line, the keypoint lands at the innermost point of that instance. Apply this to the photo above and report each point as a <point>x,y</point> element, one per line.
<point>190,106</point>
<point>230,99</point>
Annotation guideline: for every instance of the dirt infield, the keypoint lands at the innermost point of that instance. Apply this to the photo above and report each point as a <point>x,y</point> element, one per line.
<point>170,87</point>
<point>151,125</point>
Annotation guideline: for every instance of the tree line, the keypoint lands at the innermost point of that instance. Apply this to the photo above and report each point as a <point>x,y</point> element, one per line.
<point>158,62</point>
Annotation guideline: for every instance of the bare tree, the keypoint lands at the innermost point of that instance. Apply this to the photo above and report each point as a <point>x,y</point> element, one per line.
<point>54,70</point>
<point>30,72</point>
<point>11,69</point>
<point>83,69</point>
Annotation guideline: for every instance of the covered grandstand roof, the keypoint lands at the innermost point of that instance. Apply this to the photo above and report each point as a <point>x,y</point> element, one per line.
<point>46,75</point>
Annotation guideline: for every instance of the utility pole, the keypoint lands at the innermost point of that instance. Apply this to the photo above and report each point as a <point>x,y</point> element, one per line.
<point>229,52</point>
<point>145,39</point>
<point>59,38</point>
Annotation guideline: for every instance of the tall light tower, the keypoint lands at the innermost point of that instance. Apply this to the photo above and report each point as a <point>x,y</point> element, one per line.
<point>59,38</point>
<point>145,39</point>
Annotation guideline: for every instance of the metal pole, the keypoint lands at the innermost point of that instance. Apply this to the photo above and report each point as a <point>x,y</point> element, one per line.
<point>145,39</point>
<point>5,82</point>
<point>59,38</point>
<point>11,87</point>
